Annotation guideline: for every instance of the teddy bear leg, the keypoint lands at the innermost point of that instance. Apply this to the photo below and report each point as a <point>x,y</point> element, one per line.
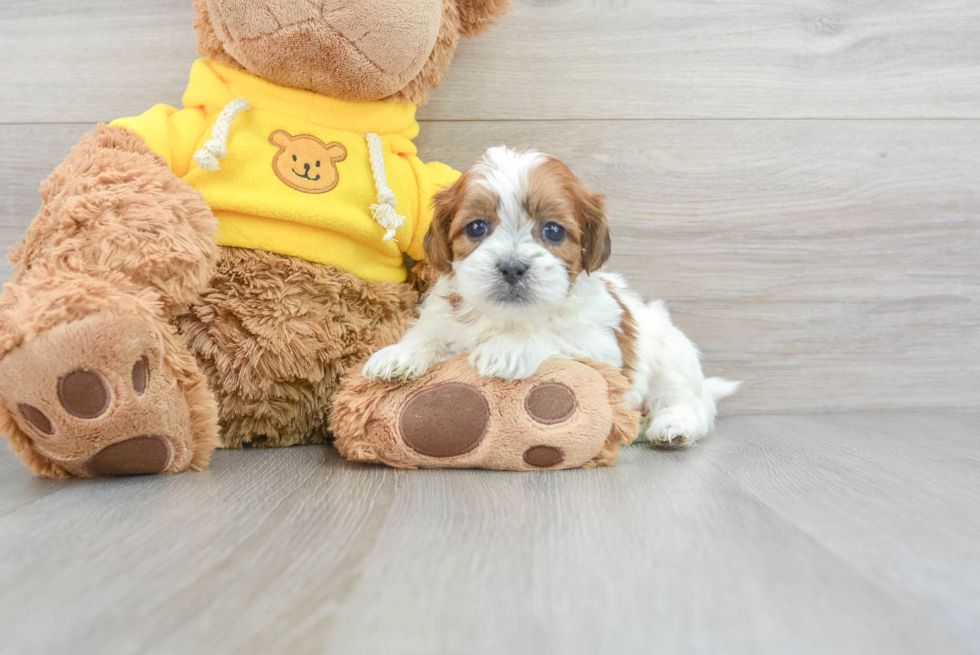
<point>275,334</point>
<point>94,380</point>
<point>568,414</point>
<point>110,390</point>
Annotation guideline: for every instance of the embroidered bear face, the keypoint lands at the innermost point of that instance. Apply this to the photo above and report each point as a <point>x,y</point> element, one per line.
<point>306,163</point>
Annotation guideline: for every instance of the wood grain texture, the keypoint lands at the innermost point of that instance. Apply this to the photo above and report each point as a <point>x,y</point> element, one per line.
<point>829,264</point>
<point>841,479</point>
<point>567,59</point>
<point>779,534</point>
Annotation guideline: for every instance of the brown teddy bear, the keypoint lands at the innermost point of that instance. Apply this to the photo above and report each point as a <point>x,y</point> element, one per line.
<point>224,264</point>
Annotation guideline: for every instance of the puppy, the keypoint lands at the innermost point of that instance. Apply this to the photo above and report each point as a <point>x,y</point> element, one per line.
<point>519,243</point>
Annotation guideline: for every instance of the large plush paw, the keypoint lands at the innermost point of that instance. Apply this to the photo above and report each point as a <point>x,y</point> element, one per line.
<point>568,414</point>
<point>399,363</point>
<point>97,397</point>
<point>506,360</point>
<point>678,426</point>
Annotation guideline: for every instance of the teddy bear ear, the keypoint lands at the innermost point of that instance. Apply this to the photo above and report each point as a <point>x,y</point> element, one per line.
<point>476,16</point>
<point>280,138</point>
<point>336,152</point>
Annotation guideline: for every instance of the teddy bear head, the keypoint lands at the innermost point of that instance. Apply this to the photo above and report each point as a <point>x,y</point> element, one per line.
<point>349,49</point>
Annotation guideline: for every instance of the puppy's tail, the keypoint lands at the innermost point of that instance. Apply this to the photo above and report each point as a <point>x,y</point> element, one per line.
<point>721,388</point>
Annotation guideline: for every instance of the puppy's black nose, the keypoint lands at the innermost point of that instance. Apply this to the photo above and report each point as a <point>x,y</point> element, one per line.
<point>513,271</point>
<point>307,167</point>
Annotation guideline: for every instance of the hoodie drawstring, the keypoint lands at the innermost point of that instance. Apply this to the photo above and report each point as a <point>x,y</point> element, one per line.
<point>217,148</point>
<point>385,212</point>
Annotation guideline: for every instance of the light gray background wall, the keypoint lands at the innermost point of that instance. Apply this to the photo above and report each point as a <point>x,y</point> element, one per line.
<point>800,183</point>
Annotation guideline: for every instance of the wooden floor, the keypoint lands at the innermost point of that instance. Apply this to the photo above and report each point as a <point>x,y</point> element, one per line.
<point>852,533</point>
<point>800,181</point>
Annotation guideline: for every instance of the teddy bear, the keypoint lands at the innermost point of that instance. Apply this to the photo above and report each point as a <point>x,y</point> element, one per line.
<point>205,276</point>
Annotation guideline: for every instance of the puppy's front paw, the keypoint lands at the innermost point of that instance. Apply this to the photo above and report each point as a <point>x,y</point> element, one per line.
<point>677,426</point>
<point>397,363</point>
<point>493,361</point>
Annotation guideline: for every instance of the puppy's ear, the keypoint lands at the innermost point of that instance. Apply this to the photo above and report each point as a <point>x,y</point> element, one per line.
<point>590,208</point>
<point>475,16</point>
<point>438,248</point>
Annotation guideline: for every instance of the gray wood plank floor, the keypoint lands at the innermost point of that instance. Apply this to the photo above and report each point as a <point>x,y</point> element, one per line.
<point>850,533</point>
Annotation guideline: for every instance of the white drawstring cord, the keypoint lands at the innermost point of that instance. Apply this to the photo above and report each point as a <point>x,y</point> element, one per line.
<point>217,148</point>
<point>385,213</point>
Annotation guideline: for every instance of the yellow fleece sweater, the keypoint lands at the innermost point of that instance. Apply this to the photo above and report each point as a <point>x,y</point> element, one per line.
<point>297,178</point>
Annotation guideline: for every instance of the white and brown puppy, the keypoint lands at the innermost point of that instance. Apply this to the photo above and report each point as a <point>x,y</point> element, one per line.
<point>520,242</point>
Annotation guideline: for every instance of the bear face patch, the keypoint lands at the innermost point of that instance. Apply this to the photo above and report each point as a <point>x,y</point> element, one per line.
<point>306,163</point>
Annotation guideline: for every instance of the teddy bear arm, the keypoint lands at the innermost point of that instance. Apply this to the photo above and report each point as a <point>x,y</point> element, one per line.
<point>114,206</point>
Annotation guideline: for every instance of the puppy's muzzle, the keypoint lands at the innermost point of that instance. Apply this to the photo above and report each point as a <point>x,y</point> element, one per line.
<point>513,271</point>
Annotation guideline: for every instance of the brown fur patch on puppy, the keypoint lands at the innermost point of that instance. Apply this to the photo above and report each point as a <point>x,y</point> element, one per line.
<point>275,334</point>
<point>422,275</point>
<point>455,301</point>
<point>455,208</point>
<point>550,198</point>
<point>555,194</point>
<point>627,336</point>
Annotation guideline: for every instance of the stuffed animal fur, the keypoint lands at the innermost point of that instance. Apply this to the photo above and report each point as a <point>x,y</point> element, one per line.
<point>569,414</point>
<point>206,275</point>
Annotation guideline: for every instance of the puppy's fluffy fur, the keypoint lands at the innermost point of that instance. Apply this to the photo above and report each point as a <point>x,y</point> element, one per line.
<point>520,243</point>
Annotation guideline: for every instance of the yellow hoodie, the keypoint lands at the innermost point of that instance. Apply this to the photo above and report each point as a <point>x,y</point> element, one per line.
<point>292,172</point>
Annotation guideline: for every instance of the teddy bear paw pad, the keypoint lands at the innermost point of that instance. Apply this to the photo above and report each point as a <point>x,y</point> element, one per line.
<point>543,457</point>
<point>143,455</point>
<point>446,420</point>
<point>550,403</point>
<point>96,397</point>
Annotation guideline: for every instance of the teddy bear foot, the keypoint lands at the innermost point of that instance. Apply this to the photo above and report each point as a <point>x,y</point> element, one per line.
<point>569,414</point>
<point>99,397</point>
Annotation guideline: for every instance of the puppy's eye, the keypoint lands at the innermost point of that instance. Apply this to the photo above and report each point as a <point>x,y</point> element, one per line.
<point>477,229</point>
<point>318,164</point>
<point>294,157</point>
<point>553,232</point>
